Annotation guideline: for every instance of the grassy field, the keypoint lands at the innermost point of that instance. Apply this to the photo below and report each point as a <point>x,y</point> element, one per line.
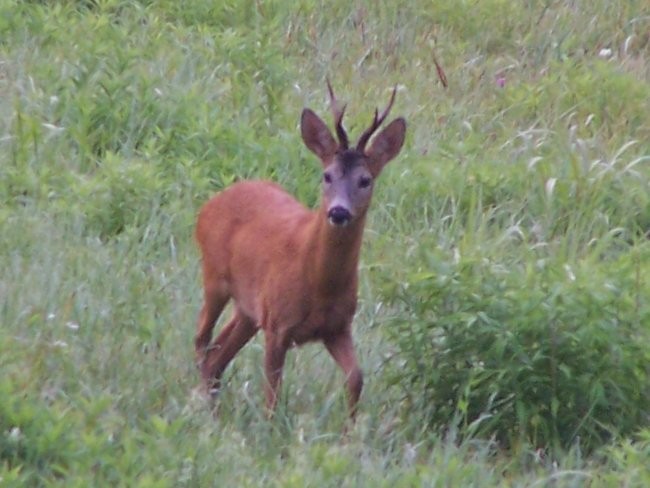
<point>504,315</point>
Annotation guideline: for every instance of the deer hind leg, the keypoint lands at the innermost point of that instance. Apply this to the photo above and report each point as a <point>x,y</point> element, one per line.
<point>215,300</point>
<point>341,349</point>
<point>228,343</point>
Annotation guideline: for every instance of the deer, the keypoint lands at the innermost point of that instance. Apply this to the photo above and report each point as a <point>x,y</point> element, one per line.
<point>290,271</point>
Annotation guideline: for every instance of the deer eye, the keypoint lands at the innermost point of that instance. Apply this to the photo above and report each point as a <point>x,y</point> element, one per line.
<point>364,182</point>
<point>327,178</point>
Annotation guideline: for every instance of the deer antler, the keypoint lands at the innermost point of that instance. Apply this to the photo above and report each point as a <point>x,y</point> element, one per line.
<point>338,118</point>
<point>377,121</point>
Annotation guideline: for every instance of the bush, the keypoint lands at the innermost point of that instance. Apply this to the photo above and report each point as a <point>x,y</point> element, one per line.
<point>545,353</point>
<point>30,435</point>
<point>122,194</point>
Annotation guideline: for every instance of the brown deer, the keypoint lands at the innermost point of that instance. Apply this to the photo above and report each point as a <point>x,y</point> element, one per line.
<point>291,272</point>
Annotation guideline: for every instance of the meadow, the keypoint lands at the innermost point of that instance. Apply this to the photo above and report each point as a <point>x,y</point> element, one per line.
<point>504,309</point>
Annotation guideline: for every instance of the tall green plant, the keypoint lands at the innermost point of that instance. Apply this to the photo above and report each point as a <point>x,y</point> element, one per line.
<point>548,353</point>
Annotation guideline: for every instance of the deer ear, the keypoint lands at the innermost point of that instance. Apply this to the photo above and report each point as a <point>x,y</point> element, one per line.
<point>316,135</point>
<point>386,145</point>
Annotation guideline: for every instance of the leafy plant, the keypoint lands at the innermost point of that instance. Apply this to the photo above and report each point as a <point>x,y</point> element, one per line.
<point>548,353</point>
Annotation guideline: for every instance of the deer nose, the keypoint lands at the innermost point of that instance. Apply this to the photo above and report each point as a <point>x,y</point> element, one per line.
<point>339,216</point>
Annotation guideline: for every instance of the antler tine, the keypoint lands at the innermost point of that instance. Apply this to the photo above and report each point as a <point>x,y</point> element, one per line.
<point>376,122</point>
<point>338,118</point>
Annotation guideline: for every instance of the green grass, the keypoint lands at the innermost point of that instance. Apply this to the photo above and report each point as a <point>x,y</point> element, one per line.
<point>516,218</point>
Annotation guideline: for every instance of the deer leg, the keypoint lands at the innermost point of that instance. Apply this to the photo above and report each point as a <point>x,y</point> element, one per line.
<point>214,302</point>
<point>274,355</point>
<point>228,343</point>
<point>341,349</point>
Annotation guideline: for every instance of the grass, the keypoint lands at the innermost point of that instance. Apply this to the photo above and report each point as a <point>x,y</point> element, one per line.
<point>118,119</point>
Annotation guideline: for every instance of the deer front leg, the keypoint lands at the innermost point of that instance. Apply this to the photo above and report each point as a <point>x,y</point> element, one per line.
<point>341,348</point>
<point>274,355</point>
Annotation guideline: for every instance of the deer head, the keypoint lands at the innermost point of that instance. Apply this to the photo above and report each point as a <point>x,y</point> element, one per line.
<point>349,173</point>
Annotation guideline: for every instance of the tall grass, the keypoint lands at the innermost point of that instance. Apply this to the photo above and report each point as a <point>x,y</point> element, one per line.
<point>503,310</point>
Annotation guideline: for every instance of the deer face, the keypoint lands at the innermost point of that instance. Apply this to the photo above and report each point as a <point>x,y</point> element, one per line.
<point>349,172</point>
<point>347,188</point>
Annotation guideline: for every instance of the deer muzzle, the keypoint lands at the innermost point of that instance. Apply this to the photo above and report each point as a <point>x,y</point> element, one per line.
<point>339,216</point>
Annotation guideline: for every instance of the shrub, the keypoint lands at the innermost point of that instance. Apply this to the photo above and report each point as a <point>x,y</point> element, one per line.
<point>30,435</point>
<point>122,194</point>
<point>546,353</point>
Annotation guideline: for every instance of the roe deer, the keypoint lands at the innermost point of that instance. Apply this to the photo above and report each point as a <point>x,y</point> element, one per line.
<point>291,272</point>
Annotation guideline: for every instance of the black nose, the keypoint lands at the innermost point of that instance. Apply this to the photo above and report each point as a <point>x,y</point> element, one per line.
<point>339,215</point>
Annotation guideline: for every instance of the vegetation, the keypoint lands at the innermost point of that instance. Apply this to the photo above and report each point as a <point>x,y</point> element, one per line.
<point>504,318</point>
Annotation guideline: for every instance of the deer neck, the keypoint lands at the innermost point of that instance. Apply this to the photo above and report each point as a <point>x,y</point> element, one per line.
<point>335,254</point>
